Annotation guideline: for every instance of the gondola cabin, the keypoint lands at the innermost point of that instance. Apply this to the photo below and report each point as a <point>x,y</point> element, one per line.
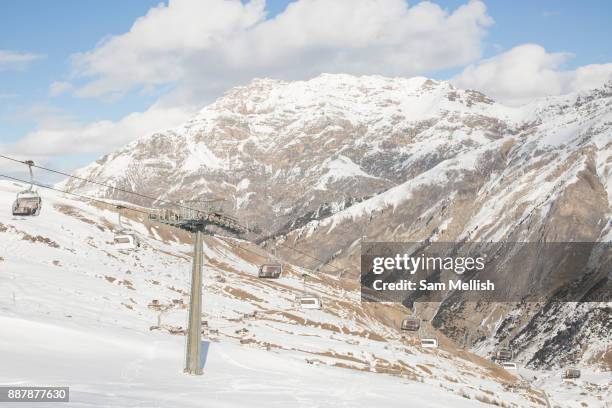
<point>309,302</point>
<point>504,354</point>
<point>270,271</point>
<point>429,342</point>
<point>571,373</point>
<point>27,204</point>
<point>411,324</point>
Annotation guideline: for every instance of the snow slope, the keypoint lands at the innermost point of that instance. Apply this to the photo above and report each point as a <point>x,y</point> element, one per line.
<point>76,312</point>
<point>322,163</point>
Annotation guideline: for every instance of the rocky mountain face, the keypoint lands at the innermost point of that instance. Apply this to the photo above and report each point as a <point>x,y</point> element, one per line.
<point>278,151</point>
<point>323,164</point>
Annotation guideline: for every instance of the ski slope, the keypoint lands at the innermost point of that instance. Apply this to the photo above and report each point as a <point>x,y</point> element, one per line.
<point>76,312</point>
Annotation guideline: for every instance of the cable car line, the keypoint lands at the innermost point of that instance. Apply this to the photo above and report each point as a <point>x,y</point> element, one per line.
<point>99,183</point>
<point>67,192</point>
<point>312,257</point>
<point>238,246</point>
<point>249,250</point>
<point>136,194</point>
<point>29,163</point>
<point>260,255</point>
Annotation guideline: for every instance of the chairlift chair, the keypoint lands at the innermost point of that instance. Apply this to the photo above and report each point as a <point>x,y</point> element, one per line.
<point>270,271</point>
<point>571,373</point>
<point>509,365</point>
<point>411,324</point>
<point>309,302</point>
<point>125,240</point>
<point>504,354</point>
<point>28,203</point>
<point>429,342</point>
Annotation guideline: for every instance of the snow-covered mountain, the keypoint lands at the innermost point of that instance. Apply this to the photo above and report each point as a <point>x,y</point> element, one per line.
<point>277,150</point>
<point>281,152</point>
<point>320,164</point>
<point>75,311</point>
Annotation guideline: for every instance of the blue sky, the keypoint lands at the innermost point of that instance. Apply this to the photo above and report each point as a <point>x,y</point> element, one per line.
<point>52,32</point>
<point>579,27</point>
<point>57,30</point>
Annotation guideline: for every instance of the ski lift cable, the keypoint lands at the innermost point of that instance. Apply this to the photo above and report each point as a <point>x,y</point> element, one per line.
<point>248,250</point>
<point>67,192</point>
<point>238,246</point>
<point>33,183</point>
<point>312,257</point>
<point>225,239</point>
<point>323,262</point>
<point>96,182</point>
<point>29,163</point>
<point>285,246</point>
<point>258,254</point>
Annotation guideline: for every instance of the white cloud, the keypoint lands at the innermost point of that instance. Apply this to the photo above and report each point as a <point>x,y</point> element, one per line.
<point>62,143</point>
<point>590,76</point>
<point>13,60</point>
<point>206,46</point>
<point>60,87</point>
<point>527,72</point>
<point>64,136</point>
<point>203,47</point>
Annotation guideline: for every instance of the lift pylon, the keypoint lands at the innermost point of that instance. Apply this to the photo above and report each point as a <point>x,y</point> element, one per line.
<point>197,222</point>
<point>194,332</point>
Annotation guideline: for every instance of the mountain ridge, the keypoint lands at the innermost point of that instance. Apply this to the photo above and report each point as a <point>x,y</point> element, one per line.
<point>416,159</point>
